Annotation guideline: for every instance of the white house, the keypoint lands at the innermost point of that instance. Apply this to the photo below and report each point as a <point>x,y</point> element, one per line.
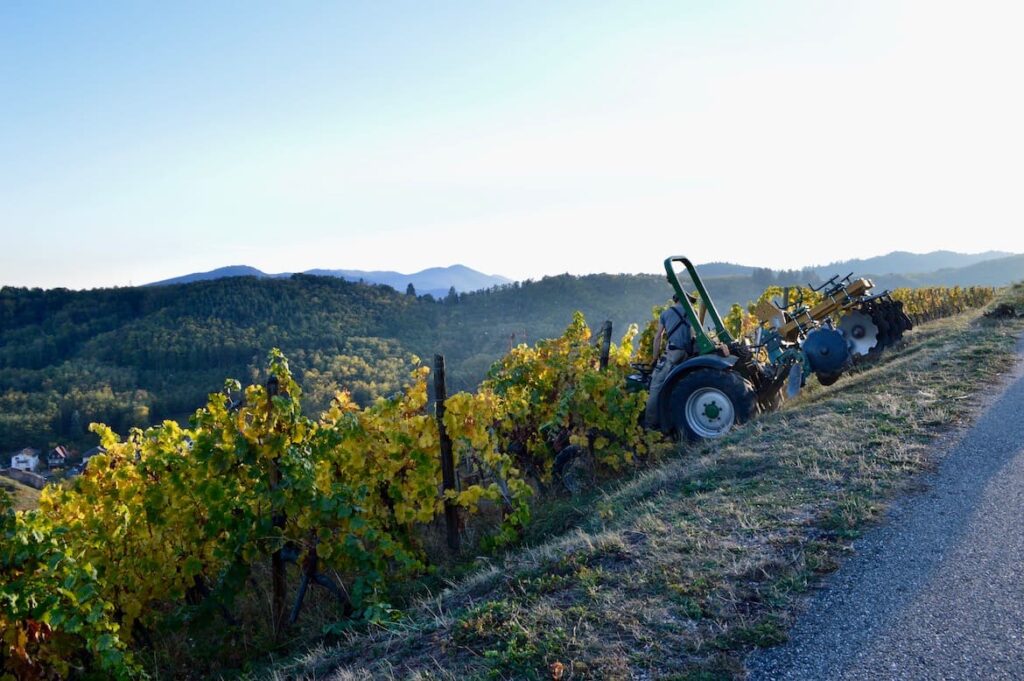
<point>26,460</point>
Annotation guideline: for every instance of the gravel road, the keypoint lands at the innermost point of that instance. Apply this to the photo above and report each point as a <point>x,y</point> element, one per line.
<point>938,591</point>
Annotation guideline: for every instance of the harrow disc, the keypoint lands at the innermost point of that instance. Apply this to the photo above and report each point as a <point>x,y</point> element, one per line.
<point>895,332</point>
<point>826,350</point>
<point>860,332</point>
<point>907,323</point>
<point>895,319</point>
<point>885,331</point>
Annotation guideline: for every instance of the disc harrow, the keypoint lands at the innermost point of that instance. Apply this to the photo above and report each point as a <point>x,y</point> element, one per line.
<point>728,379</point>
<point>883,313</point>
<point>859,325</point>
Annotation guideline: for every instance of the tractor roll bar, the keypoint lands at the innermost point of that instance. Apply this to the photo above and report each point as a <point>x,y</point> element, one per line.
<point>705,344</point>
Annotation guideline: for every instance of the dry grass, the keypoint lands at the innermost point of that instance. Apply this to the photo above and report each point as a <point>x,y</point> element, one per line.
<point>680,571</point>
<point>25,498</point>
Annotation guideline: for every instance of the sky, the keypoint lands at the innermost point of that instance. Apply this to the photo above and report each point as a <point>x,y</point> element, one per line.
<point>140,141</point>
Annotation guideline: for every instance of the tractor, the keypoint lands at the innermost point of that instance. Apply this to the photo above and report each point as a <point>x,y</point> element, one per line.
<point>729,380</point>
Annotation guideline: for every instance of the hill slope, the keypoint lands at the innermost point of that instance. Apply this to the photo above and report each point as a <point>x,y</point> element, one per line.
<point>134,356</point>
<point>685,569</point>
<point>24,498</point>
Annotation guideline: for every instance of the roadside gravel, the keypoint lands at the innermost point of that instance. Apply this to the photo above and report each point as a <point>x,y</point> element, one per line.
<point>938,591</point>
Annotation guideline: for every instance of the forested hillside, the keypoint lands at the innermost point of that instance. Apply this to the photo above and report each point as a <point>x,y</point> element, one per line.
<point>134,356</point>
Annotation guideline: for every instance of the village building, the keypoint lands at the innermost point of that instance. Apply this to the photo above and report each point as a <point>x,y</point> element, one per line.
<point>26,460</point>
<point>91,453</point>
<point>58,457</point>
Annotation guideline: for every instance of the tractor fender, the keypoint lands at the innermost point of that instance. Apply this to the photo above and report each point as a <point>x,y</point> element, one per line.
<point>683,368</point>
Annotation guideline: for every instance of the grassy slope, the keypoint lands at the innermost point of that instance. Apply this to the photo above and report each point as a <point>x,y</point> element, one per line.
<point>25,497</point>
<point>682,570</point>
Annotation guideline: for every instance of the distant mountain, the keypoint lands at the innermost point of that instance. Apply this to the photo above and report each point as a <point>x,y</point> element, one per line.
<point>219,273</point>
<point>900,268</point>
<point>436,281</point>
<point>724,269</point>
<point>995,272</point>
<point>902,262</point>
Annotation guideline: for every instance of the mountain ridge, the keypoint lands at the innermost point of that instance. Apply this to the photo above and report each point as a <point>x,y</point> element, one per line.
<point>894,269</point>
<point>436,281</point>
<point>905,262</point>
<point>994,272</point>
<point>892,264</point>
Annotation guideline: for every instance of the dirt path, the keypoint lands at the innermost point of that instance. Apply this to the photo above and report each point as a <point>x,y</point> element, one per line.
<point>938,592</point>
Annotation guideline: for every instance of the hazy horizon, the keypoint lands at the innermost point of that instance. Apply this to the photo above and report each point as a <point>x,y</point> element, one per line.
<point>659,270</point>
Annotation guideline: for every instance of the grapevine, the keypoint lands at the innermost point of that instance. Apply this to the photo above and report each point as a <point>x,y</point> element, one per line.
<point>557,388</point>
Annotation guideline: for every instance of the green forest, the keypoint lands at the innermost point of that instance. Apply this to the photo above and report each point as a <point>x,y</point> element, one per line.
<point>136,356</point>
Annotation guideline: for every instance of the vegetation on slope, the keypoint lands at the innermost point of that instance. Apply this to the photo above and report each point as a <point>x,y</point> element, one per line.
<point>172,529</point>
<point>682,570</point>
<point>135,356</point>
<point>172,524</point>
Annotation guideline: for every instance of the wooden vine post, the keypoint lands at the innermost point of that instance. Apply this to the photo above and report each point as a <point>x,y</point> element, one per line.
<point>451,511</point>
<point>278,575</point>
<point>603,341</point>
<point>604,337</point>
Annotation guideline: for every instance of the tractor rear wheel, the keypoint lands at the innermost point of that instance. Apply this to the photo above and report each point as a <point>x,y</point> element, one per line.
<point>707,403</point>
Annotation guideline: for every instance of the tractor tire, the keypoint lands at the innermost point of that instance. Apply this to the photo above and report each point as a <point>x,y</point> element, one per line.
<point>707,403</point>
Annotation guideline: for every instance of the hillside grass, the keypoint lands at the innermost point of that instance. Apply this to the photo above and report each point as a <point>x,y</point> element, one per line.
<point>681,571</point>
<point>24,498</point>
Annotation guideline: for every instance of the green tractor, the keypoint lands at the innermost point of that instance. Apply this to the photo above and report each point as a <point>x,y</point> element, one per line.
<point>728,381</point>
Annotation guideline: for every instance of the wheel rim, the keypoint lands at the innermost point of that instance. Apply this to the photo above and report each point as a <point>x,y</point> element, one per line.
<point>709,412</point>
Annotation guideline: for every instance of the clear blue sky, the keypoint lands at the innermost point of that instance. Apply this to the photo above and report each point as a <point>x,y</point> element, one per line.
<point>144,140</point>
